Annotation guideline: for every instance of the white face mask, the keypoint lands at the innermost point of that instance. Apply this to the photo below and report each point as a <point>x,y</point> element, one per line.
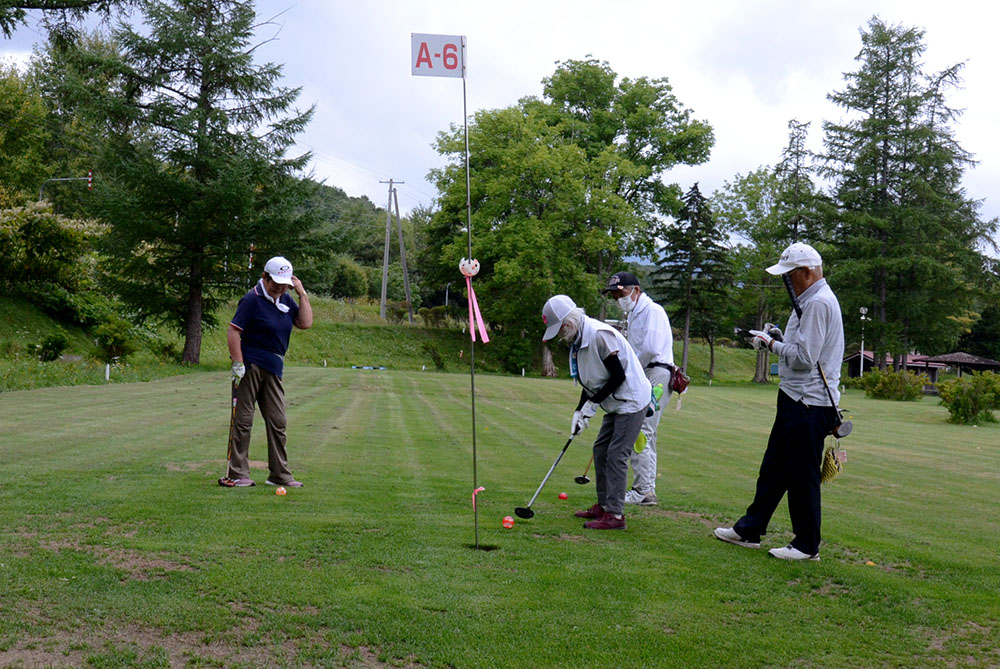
<point>625,303</point>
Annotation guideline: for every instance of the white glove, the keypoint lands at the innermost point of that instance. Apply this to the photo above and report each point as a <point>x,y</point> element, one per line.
<point>774,331</point>
<point>581,418</point>
<point>238,370</point>
<point>760,340</point>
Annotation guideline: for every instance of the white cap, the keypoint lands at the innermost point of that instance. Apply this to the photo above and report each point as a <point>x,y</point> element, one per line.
<point>796,255</point>
<point>280,270</point>
<point>554,313</point>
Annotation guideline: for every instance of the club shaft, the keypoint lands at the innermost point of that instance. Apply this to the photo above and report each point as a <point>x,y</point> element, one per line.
<point>551,469</point>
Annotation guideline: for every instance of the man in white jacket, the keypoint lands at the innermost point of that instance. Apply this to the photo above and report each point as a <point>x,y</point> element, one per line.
<point>612,378</point>
<point>648,331</point>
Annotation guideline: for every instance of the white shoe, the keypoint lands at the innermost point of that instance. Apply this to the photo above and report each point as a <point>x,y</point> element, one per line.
<point>633,496</point>
<point>729,534</point>
<point>789,552</point>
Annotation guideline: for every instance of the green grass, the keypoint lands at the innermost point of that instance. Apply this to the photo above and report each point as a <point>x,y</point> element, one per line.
<point>118,549</point>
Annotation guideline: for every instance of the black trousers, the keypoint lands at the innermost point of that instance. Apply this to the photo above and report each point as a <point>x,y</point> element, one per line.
<point>791,464</point>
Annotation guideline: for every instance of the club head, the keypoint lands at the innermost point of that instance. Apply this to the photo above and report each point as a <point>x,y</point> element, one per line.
<point>843,429</point>
<point>523,512</point>
<point>582,480</point>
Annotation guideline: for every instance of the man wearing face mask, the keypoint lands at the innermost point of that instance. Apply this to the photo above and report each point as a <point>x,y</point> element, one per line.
<point>611,376</point>
<point>648,331</point>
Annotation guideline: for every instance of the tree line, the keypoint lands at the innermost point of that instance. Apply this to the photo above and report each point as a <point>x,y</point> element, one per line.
<point>191,140</point>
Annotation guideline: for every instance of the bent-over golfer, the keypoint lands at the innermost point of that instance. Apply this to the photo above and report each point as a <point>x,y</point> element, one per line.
<point>804,417</point>
<point>258,339</point>
<point>611,376</point>
<point>647,329</point>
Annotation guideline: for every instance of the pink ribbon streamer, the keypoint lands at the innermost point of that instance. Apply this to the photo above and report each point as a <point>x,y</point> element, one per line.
<point>474,315</point>
<point>474,493</point>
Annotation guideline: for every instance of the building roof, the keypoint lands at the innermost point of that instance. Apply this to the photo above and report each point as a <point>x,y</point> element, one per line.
<point>911,360</point>
<point>963,359</point>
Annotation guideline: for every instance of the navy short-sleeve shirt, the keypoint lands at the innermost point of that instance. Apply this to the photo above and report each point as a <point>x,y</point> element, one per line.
<point>265,329</point>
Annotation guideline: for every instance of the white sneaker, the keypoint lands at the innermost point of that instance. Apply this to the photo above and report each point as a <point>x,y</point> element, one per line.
<point>789,552</point>
<point>633,496</point>
<point>729,534</point>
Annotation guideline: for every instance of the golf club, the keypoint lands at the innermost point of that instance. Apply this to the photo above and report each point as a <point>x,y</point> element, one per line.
<point>584,479</point>
<point>525,511</point>
<point>225,481</point>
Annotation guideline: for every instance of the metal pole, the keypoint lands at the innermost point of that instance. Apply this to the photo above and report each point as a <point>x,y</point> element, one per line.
<point>402,256</point>
<point>472,345</point>
<point>385,252</point>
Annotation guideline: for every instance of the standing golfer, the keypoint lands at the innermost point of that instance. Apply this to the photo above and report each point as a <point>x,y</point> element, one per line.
<point>611,376</point>
<point>258,338</point>
<point>804,416</point>
<point>648,331</point>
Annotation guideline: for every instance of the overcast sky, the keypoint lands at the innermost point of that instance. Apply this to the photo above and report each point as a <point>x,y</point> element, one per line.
<point>746,68</point>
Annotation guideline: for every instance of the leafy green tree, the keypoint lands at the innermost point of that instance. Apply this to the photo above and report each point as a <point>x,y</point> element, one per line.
<point>195,149</point>
<point>563,187</point>
<point>694,271</point>
<point>905,233</point>
<point>24,138</point>
<point>38,246</point>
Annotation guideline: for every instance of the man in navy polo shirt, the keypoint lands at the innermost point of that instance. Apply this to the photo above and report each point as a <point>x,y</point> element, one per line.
<point>258,338</point>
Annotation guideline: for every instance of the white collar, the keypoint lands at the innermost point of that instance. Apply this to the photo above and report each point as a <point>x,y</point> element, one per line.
<point>283,308</point>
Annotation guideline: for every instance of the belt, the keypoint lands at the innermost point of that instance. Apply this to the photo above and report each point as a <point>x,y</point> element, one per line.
<point>659,364</point>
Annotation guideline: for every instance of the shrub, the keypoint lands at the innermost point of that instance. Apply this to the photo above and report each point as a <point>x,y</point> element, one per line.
<point>114,339</point>
<point>899,386</point>
<point>971,399</point>
<point>51,347</point>
<point>435,354</point>
<point>434,317</point>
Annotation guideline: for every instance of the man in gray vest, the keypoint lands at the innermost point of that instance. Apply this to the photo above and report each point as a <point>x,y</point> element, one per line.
<point>612,378</point>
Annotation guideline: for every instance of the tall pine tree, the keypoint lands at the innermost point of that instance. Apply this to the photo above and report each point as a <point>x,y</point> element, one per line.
<point>198,186</point>
<point>906,235</point>
<point>694,271</point>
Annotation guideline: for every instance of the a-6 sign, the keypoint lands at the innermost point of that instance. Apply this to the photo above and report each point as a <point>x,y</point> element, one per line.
<point>437,55</point>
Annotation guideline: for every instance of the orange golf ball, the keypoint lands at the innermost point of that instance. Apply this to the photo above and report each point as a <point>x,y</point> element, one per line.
<point>563,495</point>
<point>507,522</point>
<point>281,491</point>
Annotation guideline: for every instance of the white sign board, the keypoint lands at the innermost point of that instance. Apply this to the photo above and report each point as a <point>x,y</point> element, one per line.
<point>437,55</point>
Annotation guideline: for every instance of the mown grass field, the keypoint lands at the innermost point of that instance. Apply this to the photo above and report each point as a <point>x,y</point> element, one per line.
<point>117,548</point>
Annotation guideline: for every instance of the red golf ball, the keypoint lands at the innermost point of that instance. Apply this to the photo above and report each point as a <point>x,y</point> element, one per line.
<point>563,495</point>
<point>507,522</point>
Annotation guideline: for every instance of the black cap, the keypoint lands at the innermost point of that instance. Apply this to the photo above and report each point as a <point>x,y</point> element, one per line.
<point>620,280</point>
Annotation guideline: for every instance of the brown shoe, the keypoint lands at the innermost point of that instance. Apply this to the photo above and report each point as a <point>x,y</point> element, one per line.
<point>595,511</point>
<point>606,522</point>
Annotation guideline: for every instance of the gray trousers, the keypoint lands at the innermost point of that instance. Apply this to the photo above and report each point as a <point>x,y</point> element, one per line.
<point>611,450</point>
<point>264,389</point>
<point>644,464</point>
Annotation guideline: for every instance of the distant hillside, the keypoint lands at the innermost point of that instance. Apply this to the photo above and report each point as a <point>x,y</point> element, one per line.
<point>344,334</point>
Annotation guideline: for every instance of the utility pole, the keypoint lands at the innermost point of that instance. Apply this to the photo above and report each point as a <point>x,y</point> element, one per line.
<point>385,253</point>
<point>402,258</point>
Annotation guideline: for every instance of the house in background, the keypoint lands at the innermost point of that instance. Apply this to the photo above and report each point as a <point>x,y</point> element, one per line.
<point>916,363</point>
<point>965,361</point>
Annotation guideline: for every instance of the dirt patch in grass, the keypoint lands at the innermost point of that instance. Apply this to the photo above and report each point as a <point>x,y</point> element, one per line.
<point>137,645</point>
<point>137,565</point>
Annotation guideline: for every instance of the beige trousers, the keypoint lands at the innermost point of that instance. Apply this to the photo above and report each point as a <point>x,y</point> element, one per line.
<point>264,389</point>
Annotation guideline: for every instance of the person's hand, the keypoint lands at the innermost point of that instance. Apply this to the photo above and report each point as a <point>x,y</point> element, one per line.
<point>238,369</point>
<point>581,417</point>
<point>774,331</point>
<point>760,340</point>
<point>297,286</point>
